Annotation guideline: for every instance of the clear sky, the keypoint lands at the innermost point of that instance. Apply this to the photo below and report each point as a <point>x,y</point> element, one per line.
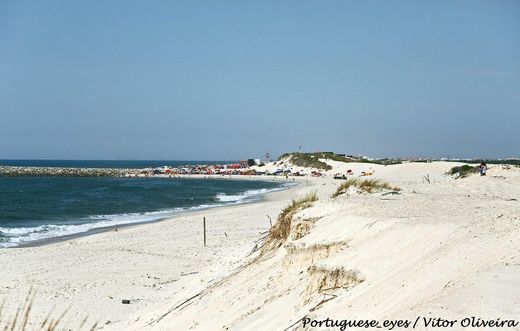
<point>235,79</point>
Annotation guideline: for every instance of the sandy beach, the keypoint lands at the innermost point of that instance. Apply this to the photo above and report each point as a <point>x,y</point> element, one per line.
<point>259,165</point>
<point>149,264</point>
<point>438,248</point>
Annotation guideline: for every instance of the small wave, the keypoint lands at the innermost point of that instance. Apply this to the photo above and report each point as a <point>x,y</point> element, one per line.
<point>250,195</point>
<point>222,197</point>
<point>10,237</point>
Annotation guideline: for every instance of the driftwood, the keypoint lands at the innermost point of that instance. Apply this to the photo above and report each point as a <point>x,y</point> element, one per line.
<point>189,273</point>
<point>332,297</point>
<point>298,321</point>
<point>258,245</point>
<point>180,306</point>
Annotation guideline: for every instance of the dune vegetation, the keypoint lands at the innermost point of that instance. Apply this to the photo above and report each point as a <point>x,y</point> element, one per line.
<point>312,160</point>
<point>463,171</point>
<point>281,229</point>
<point>306,160</point>
<point>22,319</point>
<point>367,186</point>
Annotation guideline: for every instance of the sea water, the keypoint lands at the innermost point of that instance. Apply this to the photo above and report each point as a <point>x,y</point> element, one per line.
<point>34,208</point>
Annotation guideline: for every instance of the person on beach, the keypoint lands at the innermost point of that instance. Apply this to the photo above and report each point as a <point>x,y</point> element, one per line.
<point>483,169</point>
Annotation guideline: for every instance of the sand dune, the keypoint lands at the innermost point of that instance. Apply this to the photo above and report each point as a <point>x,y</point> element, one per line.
<point>446,248</point>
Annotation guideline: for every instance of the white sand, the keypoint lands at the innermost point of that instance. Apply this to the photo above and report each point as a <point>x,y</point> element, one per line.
<point>150,264</point>
<point>448,248</point>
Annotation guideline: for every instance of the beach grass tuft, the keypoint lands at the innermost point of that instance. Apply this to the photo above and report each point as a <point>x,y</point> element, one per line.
<point>281,230</point>
<point>367,185</point>
<point>463,171</point>
<point>22,320</point>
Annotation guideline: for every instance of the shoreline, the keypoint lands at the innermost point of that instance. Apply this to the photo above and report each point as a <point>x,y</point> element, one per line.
<point>150,264</point>
<point>184,210</point>
<point>123,226</point>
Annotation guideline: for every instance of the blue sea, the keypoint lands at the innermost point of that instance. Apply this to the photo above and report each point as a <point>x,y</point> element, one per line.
<point>34,209</point>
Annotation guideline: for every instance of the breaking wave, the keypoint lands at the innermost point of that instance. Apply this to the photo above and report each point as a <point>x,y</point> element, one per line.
<point>247,196</point>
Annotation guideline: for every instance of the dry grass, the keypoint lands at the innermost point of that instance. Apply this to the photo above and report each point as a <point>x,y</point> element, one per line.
<point>323,279</point>
<point>463,171</point>
<point>367,185</point>
<point>22,321</point>
<point>281,230</point>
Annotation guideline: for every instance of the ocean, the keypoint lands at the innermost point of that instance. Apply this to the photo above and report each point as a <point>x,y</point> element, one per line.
<point>34,209</point>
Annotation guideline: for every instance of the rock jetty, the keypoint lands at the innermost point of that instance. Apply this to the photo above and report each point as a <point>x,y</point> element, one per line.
<point>9,171</point>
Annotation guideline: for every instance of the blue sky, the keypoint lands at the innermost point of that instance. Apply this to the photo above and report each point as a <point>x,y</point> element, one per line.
<point>235,79</point>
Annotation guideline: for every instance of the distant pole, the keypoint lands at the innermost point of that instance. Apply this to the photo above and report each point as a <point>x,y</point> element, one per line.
<point>204,224</point>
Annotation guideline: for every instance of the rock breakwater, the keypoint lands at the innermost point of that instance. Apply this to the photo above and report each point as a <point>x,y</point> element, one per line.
<point>9,171</point>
